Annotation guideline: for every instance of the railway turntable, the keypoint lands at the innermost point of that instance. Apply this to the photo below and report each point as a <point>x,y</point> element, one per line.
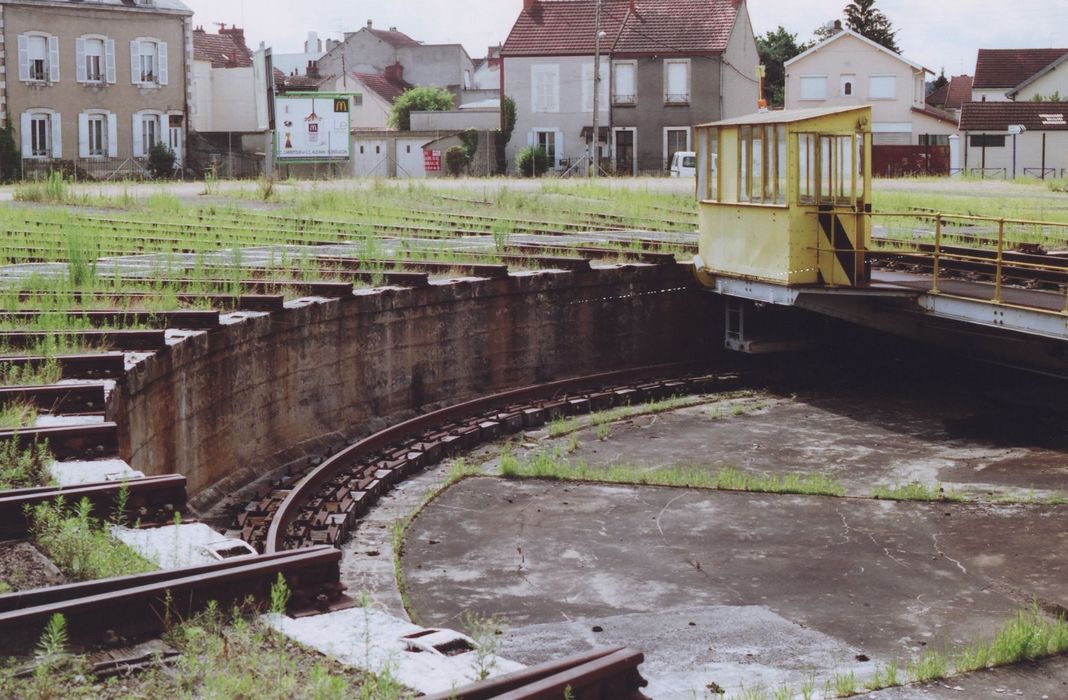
<point>786,220</point>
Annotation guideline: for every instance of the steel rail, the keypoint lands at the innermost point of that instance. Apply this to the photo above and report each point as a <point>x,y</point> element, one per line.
<point>104,365</point>
<point>57,398</point>
<point>289,510</point>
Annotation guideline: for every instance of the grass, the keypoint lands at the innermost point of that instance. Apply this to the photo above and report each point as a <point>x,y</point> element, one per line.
<point>1027,636</point>
<point>552,465</point>
<point>17,414</point>
<point>219,656</point>
<point>80,545</point>
<point>916,491</point>
<point>560,427</point>
<point>24,467</point>
<point>35,374</point>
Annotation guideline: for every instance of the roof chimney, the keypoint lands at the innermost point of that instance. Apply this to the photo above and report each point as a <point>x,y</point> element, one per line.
<point>392,29</point>
<point>528,5</point>
<point>370,24</point>
<point>395,72</point>
<point>314,44</point>
<point>312,70</point>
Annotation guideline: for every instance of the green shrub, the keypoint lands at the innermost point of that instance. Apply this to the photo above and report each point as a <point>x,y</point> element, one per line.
<point>456,160</point>
<point>420,99</point>
<point>161,160</point>
<point>531,161</point>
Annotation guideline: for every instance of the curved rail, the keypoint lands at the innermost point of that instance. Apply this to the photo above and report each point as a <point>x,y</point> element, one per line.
<point>304,490</point>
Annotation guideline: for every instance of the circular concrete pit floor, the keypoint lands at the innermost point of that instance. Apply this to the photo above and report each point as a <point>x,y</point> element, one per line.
<point>743,590</point>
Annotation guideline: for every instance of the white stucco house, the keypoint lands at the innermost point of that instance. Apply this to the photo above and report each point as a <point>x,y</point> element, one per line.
<point>849,69</point>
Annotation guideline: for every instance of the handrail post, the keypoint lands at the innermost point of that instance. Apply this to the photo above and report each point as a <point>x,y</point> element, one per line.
<point>1001,258</point>
<point>937,253</point>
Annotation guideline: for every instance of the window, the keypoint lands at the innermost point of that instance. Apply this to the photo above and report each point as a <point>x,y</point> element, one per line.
<point>675,140</point>
<point>813,87</point>
<point>677,82</point>
<point>149,132</point>
<point>38,58</point>
<point>707,154</point>
<point>882,87</point>
<point>40,131</point>
<point>546,140</point>
<point>545,88</point>
<point>934,139</point>
<point>97,136</point>
<point>148,58</point>
<point>762,164</point>
<point>987,140</point>
<point>806,165</point>
<point>624,84</point>
<point>848,81</point>
<point>830,169</point>
<point>96,59</point>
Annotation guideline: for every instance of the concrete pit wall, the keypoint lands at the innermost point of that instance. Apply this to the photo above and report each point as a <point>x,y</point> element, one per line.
<point>242,400</point>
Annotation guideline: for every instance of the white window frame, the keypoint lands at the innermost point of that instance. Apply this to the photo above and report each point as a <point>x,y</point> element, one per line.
<point>50,61</point>
<point>689,142</point>
<point>558,142</point>
<point>634,143</point>
<point>810,80</point>
<point>37,121</point>
<point>679,99</point>
<point>621,98</point>
<point>161,70</point>
<point>871,85</point>
<point>53,134</point>
<point>141,147</point>
<point>107,59</point>
<point>551,105</point>
<point>108,136</point>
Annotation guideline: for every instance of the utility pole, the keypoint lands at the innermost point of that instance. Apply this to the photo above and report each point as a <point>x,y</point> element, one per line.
<point>596,136</point>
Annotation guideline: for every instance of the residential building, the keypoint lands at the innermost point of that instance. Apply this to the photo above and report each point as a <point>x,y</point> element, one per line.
<point>665,66</point>
<point>314,49</point>
<point>487,74</point>
<point>992,148</point>
<point>1003,75</point>
<point>228,115</point>
<point>371,50</point>
<point>849,69</point>
<point>950,97</point>
<point>377,93</point>
<point>95,84</point>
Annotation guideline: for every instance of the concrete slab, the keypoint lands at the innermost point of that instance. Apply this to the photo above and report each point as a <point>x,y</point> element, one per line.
<point>179,546</point>
<point>45,420</point>
<point>370,639</point>
<point>1044,680</point>
<point>92,472</point>
<point>874,579</point>
<point>859,441</point>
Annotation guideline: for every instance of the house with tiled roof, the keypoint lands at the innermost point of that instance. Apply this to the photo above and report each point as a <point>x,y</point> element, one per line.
<point>1015,139</point>
<point>372,50</point>
<point>377,93</point>
<point>666,65</point>
<point>849,69</point>
<point>951,96</point>
<point>1019,74</point>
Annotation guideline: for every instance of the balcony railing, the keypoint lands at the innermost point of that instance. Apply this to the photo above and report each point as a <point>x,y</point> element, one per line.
<point>679,99</point>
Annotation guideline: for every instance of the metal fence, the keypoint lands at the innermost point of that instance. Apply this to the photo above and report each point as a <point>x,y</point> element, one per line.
<point>87,170</point>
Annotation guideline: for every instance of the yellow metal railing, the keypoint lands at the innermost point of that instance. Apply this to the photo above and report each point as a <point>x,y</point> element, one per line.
<point>995,241</point>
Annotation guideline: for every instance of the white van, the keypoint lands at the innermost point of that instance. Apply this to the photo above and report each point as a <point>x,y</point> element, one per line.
<point>684,164</point>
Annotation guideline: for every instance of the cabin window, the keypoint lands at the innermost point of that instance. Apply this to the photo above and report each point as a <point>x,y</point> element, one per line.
<point>780,165</point>
<point>708,156</point>
<point>744,137</point>
<point>806,166</point>
<point>762,164</point>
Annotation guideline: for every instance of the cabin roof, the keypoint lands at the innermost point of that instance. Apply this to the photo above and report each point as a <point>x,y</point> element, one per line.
<point>787,116</point>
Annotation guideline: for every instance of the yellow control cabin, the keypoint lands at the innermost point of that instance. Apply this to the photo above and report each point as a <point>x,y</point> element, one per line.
<point>783,197</point>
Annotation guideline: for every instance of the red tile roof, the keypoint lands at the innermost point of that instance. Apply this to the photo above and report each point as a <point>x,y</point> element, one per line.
<point>938,96</point>
<point>996,116</point>
<point>1007,68</point>
<point>226,49</point>
<point>936,114</point>
<point>566,27</point>
<point>389,89</point>
<point>960,91</point>
<point>394,37</point>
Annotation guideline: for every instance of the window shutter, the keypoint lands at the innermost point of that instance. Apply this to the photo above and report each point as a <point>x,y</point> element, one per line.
<point>135,61</point>
<point>138,142</point>
<point>79,65</point>
<point>53,59</point>
<point>57,135</point>
<point>109,58</point>
<point>27,142</point>
<point>83,135</point>
<point>163,77</point>
<point>113,136</point>
<point>560,145</point>
<point>24,58</point>
<point>677,80</point>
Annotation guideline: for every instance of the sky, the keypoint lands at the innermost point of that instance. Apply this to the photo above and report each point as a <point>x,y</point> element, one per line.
<point>934,33</point>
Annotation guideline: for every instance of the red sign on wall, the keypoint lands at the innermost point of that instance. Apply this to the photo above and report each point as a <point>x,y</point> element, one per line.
<point>432,161</point>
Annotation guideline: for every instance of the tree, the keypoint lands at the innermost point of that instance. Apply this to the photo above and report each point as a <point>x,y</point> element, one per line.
<point>10,157</point>
<point>531,161</point>
<point>775,49</point>
<point>940,81</point>
<point>865,19</point>
<point>161,160</point>
<point>420,99</point>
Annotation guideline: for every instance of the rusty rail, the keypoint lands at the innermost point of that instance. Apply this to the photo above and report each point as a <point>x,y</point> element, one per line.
<point>57,398</point>
<point>190,319</point>
<point>103,365</point>
<point>98,612</point>
<point>110,340</point>
<point>91,441</point>
<point>593,675</point>
<point>151,500</point>
<point>363,470</point>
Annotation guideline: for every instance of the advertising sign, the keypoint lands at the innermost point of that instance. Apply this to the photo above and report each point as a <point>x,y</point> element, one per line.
<point>312,127</point>
<point>431,161</point>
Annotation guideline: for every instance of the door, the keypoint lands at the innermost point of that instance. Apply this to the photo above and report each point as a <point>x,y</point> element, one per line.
<point>624,151</point>
<point>174,136</point>
<point>675,140</point>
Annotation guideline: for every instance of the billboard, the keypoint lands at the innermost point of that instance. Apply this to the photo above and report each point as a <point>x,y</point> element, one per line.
<point>312,127</point>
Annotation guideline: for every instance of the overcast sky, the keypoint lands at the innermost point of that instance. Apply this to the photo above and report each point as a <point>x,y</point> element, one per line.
<point>935,33</point>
